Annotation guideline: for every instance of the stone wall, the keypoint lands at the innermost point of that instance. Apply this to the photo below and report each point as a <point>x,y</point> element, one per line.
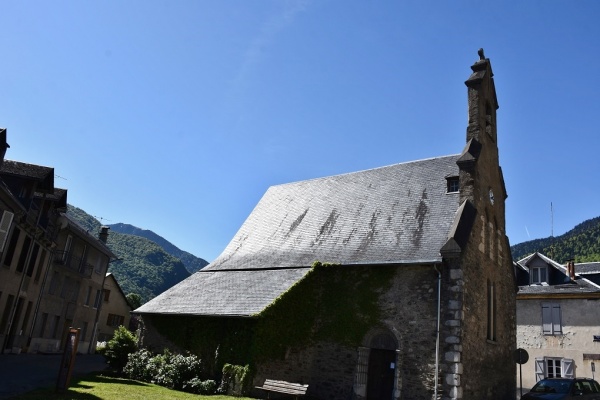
<point>409,310</point>
<point>479,300</point>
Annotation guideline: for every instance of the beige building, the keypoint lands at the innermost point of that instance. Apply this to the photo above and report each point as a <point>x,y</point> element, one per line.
<point>558,319</point>
<point>115,309</point>
<point>51,270</point>
<point>29,206</point>
<point>73,295</point>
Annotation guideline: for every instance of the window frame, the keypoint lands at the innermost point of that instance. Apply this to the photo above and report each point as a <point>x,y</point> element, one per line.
<point>536,272</point>
<point>551,319</point>
<point>566,366</point>
<point>452,184</point>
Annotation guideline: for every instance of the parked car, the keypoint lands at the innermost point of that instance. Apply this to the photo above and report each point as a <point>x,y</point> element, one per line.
<point>564,388</point>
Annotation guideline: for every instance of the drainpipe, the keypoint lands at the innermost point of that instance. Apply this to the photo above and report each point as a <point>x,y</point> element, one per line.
<point>437,335</point>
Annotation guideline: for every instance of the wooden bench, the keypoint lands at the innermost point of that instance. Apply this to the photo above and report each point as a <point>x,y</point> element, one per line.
<point>294,389</point>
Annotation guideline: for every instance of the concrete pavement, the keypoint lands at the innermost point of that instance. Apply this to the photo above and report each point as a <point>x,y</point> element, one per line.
<point>21,373</point>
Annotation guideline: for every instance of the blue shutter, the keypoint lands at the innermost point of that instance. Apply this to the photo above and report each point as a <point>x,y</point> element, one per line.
<point>546,319</point>
<point>556,323</point>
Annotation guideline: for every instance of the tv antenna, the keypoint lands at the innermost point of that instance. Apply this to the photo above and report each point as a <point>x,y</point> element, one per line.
<point>551,220</point>
<point>102,219</point>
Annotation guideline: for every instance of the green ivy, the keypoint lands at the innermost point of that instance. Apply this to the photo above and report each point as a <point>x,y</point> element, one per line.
<point>236,380</point>
<point>331,303</point>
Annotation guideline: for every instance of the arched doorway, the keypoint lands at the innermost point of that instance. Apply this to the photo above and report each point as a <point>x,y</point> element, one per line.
<point>381,372</point>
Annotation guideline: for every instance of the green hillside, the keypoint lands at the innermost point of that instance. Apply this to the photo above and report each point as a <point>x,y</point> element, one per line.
<point>191,262</point>
<point>581,243</point>
<point>143,266</point>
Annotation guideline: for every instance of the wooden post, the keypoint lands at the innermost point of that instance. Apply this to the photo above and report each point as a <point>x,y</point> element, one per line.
<point>68,360</point>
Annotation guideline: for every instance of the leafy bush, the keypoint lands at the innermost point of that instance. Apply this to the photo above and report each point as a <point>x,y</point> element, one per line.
<point>236,380</point>
<point>138,366</point>
<point>198,386</point>
<point>118,348</point>
<point>175,371</point>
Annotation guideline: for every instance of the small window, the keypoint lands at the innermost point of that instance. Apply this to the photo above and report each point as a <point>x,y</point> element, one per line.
<point>98,298</point>
<point>553,367</point>
<point>551,324</point>
<point>491,314</point>
<point>452,184</point>
<point>55,324</point>
<point>7,218</point>
<point>106,294</point>
<point>67,249</point>
<point>538,274</point>
<point>115,320</point>
<point>88,295</point>
<point>84,329</point>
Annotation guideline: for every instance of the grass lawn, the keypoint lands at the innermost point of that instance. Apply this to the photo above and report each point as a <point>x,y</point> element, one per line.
<point>98,386</point>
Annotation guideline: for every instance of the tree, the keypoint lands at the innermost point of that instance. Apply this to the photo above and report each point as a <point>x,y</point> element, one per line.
<point>134,300</point>
<point>118,348</point>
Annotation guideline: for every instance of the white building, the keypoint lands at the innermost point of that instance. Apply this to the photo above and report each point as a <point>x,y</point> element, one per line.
<point>558,319</point>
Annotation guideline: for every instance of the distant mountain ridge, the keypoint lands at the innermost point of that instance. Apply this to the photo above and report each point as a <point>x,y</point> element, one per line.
<point>581,243</point>
<point>143,266</point>
<point>191,262</point>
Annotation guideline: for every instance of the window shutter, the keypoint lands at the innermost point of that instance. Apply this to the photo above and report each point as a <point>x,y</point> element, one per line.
<point>7,218</point>
<point>556,323</point>
<point>546,319</point>
<point>568,369</point>
<point>540,365</point>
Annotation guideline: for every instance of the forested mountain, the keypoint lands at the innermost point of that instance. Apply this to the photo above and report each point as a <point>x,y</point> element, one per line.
<point>144,267</point>
<point>581,243</point>
<point>191,262</point>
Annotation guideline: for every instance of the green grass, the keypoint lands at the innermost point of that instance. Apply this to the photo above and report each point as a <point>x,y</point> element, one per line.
<point>99,386</point>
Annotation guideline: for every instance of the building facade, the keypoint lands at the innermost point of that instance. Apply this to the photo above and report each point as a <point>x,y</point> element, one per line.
<point>558,319</point>
<point>74,293</point>
<point>116,311</point>
<point>51,270</point>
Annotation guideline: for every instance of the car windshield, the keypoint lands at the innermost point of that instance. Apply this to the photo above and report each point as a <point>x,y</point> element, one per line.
<point>552,386</point>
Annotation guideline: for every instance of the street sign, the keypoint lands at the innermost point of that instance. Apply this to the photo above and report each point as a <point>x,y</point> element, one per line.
<point>521,356</point>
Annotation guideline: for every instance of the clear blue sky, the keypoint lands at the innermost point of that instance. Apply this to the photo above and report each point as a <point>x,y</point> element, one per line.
<point>176,116</point>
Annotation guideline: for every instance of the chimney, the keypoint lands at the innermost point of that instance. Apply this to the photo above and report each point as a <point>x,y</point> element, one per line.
<point>3,145</point>
<point>571,269</point>
<point>103,235</point>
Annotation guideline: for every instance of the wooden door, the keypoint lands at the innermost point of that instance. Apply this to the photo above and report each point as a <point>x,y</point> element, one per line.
<point>382,372</point>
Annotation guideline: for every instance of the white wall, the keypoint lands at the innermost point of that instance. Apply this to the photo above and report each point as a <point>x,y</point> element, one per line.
<point>580,322</point>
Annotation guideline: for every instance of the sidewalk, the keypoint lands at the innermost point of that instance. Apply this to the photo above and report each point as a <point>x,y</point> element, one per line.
<point>20,373</point>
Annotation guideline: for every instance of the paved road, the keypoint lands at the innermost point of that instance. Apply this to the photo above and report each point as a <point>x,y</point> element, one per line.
<point>20,373</point>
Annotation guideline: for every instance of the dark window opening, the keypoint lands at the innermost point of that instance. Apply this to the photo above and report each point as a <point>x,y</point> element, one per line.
<point>452,184</point>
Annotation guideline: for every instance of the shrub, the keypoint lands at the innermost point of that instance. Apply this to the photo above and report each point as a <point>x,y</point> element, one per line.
<point>119,347</point>
<point>236,380</point>
<point>198,386</point>
<point>175,371</point>
<point>137,366</point>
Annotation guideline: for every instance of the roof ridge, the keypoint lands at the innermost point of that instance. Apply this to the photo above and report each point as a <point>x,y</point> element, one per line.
<point>367,170</point>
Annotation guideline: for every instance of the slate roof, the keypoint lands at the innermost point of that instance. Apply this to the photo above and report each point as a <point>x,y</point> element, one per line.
<point>398,214</point>
<point>578,286</point>
<point>587,268</point>
<point>44,175</point>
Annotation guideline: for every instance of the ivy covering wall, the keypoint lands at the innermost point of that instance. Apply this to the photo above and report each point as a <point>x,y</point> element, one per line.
<point>331,303</point>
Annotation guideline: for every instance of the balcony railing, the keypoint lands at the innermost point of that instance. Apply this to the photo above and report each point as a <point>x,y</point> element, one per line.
<point>77,264</point>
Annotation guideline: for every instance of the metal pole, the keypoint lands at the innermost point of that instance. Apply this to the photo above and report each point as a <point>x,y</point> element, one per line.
<point>520,375</point>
